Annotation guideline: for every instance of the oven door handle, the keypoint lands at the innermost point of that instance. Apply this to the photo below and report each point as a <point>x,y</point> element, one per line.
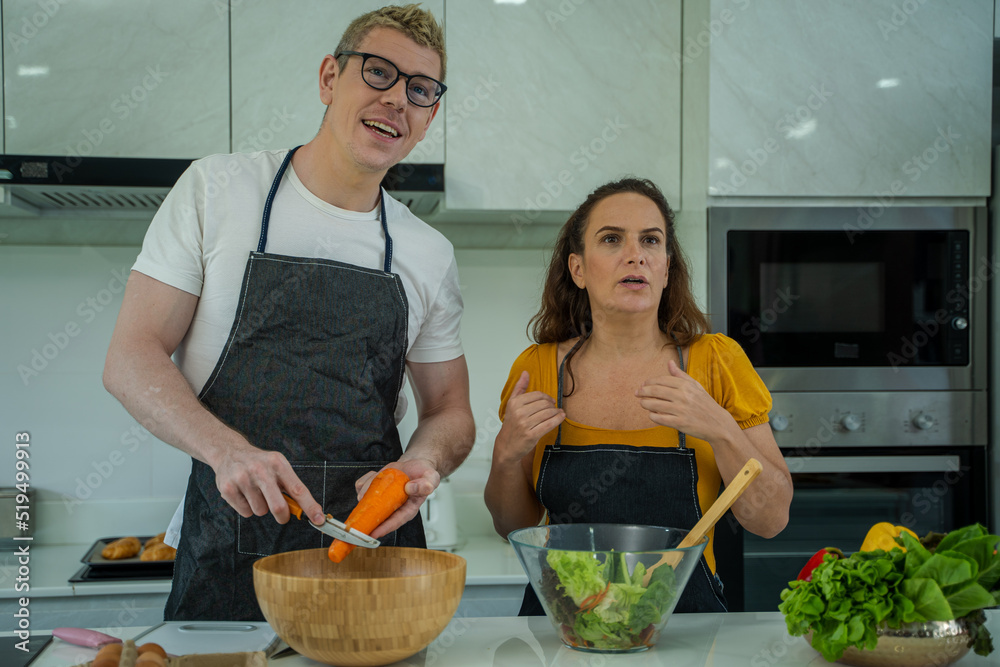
<point>876,464</point>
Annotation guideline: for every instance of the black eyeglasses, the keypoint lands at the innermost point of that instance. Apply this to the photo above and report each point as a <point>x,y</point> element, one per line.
<point>381,74</point>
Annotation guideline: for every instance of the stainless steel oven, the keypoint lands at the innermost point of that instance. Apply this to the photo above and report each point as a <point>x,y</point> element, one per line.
<point>870,333</point>
<point>913,459</point>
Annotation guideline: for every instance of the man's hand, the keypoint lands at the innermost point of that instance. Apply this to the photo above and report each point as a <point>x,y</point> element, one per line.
<point>251,481</point>
<point>424,478</point>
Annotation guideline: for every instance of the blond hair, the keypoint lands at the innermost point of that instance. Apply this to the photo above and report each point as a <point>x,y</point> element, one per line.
<point>417,24</point>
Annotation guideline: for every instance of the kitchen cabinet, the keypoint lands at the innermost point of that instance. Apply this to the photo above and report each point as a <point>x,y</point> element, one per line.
<point>882,100</point>
<point>549,99</point>
<point>277,48</point>
<point>136,78</point>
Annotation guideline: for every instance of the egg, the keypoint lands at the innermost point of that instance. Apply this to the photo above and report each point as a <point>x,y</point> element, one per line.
<point>155,648</point>
<point>150,659</point>
<point>108,655</point>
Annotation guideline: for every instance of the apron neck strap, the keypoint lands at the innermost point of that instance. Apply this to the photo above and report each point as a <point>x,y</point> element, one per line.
<point>265,221</point>
<point>387,263</point>
<point>562,365</point>
<point>681,438</point>
<point>270,198</point>
<point>559,386</point>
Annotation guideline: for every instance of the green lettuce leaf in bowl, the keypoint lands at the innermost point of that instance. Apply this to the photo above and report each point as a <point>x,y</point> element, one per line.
<point>600,604</point>
<point>581,573</point>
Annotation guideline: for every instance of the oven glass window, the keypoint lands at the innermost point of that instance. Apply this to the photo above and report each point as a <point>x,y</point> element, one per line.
<point>824,298</point>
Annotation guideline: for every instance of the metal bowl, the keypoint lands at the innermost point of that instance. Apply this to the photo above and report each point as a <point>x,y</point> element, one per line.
<point>930,644</point>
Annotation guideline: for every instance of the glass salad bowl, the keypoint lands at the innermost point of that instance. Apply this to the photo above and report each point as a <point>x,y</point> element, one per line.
<point>606,588</point>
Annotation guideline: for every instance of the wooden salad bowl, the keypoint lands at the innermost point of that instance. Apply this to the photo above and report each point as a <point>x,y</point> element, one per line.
<point>376,607</point>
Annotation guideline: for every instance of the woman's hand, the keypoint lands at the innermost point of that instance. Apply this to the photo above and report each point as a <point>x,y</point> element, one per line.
<point>678,401</point>
<point>510,493</point>
<point>528,417</point>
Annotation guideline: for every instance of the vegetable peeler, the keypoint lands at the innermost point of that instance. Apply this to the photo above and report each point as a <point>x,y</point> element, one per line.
<point>334,528</point>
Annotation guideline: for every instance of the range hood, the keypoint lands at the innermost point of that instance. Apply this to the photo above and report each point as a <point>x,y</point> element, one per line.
<point>40,185</point>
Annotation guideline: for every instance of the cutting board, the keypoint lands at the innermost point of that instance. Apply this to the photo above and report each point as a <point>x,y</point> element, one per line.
<point>185,637</point>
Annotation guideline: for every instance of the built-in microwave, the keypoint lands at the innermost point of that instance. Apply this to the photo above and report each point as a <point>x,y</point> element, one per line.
<point>884,299</point>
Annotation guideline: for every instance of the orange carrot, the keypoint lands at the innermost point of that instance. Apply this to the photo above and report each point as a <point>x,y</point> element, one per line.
<point>592,601</point>
<point>384,496</point>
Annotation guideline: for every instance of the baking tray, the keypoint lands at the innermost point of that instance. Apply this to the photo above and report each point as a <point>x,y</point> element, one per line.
<point>87,575</point>
<point>97,562</point>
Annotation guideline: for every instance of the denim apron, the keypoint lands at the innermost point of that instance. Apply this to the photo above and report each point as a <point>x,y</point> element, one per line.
<point>654,486</point>
<point>312,369</point>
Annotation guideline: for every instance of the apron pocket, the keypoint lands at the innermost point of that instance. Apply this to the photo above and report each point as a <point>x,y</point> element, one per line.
<point>263,536</point>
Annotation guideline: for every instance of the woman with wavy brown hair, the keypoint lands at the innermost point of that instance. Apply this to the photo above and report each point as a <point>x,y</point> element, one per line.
<point>627,410</point>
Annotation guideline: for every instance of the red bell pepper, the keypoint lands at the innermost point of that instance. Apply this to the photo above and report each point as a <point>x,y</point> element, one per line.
<point>817,558</point>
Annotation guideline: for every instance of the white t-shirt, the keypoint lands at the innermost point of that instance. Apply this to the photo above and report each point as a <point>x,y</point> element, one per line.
<point>201,236</point>
<point>210,221</point>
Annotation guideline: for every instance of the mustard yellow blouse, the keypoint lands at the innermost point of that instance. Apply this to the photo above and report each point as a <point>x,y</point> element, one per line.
<point>716,361</point>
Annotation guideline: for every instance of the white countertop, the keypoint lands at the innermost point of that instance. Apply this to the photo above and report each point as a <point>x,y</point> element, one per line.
<point>716,640</point>
<point>489,561</point>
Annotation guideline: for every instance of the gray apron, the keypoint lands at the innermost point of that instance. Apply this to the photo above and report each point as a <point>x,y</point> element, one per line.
<point>312,369</point>
<point>653,486</point>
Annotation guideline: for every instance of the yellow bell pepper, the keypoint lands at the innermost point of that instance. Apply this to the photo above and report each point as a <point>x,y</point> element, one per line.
<point>882,536</point>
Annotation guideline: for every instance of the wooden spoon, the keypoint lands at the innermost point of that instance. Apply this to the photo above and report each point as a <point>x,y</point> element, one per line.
<point>732,493</point>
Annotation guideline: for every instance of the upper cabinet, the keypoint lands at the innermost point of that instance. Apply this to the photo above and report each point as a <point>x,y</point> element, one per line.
<point>137,78</point>
<point>277,48</point>
<point>870,99</point>
<point>547,100</point>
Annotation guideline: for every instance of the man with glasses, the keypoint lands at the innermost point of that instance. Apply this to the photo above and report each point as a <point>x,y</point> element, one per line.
<point>295,297</point>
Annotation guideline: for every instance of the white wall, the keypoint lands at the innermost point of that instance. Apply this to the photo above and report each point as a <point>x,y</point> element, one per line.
<point>60,306</point>
<point>97,471</point>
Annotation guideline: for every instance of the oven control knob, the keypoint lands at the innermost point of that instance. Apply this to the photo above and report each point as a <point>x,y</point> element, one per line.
<point>779,422</point>
<point>959,323</point>
<point>923,421</point>
<point>850,422</point>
